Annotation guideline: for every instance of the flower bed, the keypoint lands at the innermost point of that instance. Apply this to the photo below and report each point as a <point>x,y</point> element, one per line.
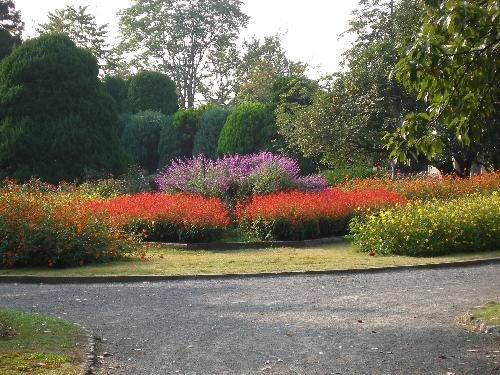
<point>167,218</point>
<point>236,175</point>
<point>305,215</point>
<point>467,224</point>
<point>448,187</point>
<point>55,230</point>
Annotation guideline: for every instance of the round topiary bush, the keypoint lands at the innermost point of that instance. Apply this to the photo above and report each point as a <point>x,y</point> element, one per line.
<point>153,91</point>
<point>55,119</point>
<point>209,128</point>
<point>249,128</point>
<point>116,87</point>
<point>141,137</point>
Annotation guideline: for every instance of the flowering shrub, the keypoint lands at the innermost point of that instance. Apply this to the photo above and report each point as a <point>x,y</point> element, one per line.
<point>54,230</point>
<point>468,223</point>
<point>448,187</point>
<point>236,175</point>
<point>303,215</point>
<point>162,217</point>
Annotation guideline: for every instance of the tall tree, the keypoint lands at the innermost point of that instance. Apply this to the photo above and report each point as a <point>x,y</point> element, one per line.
<point>219,84</point>
<point>348,121</point>
<point>11,27</point>
<point>177,36</point>
<point>82,28</point>
<point>453,65</point>
<point>262,63</point>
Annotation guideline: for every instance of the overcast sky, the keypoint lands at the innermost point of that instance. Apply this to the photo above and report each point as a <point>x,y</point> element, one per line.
<point>311,28</point>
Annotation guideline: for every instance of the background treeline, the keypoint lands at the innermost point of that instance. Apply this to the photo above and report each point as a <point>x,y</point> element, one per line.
<point>73,106</point>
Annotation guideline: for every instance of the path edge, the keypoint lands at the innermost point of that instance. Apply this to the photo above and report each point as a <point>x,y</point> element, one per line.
<point>30,279</point>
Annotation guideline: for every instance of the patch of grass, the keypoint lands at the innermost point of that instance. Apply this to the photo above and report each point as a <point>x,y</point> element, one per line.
<point>41,345</point>
<point>187,262</point>
<point>489,313</point>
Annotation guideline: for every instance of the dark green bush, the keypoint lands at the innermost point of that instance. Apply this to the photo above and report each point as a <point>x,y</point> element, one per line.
<point>339,175</point>
<point>153,91</point>
<point>169,145</point>
<point>249,128</point>
<point>282,229</point>
<point>185,122</point>
<point>141,137</point>
<point>116,87</point>
<point>56,120</point>
<point>209,128</point>
<point>166,231</point>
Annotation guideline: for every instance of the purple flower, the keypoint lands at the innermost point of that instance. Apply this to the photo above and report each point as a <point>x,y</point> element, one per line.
<point>231,174</point>
<point>312,183</point>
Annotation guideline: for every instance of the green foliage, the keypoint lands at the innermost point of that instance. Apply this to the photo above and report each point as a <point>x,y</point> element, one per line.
<point>269,179</point>
<point>81,27</point>
<point>293,89</point>
<point>153,91</point>
<point>286,229</point>
<point>209,129</point>
<point>453,66</point>
<point>185,122</point>
<point>431,228</point>
<point>249,128</point>
<point>7,43</point>
<point>116,87</point>
<point>55,119</point>
<point>10,19</point>
<point>11,27</point>
<point>169,145</point>
<point>340,175</point>
<point>141,137</point>
<point>135,180</point>
<point>262,63</point>
<point>181,34</point>
<point>346,121</point>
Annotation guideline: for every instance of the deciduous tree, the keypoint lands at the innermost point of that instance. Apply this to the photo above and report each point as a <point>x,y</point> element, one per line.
<point>177,36</point>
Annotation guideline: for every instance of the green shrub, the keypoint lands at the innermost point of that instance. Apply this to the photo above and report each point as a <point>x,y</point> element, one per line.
<point>169,144</point>
<point>209,128</point>
<point>249,128</point>
<point>141,138</point>
<point>116,87</point>
<point>466,224</point>
<point>338,176</point>
<point>55,119</point>
<point>135,180</point>
<point>153,91</point>
<point>185,122</point>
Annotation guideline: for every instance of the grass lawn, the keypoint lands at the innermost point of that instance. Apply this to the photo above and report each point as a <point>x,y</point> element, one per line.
<point>489,313</point>
<point>186,262</point>
<point>38,344</point>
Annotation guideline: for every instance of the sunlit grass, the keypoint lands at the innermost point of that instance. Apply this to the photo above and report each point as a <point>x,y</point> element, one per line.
<point>187,262</point>
<point>39,344</point>
<point>489,312</point>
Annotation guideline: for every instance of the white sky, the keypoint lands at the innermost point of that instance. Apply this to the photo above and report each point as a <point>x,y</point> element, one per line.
<point>311,28</point>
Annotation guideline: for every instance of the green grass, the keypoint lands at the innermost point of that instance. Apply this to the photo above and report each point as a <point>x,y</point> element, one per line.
<point>187,262</point>
<point>39,344</point>
<point>490,313</point>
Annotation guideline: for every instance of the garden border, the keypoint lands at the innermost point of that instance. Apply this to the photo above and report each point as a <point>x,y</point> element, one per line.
<point>223,246</point>
<point>26,279</point>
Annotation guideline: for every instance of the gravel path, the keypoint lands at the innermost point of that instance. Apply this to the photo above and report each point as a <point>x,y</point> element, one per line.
<point>387,323</point>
